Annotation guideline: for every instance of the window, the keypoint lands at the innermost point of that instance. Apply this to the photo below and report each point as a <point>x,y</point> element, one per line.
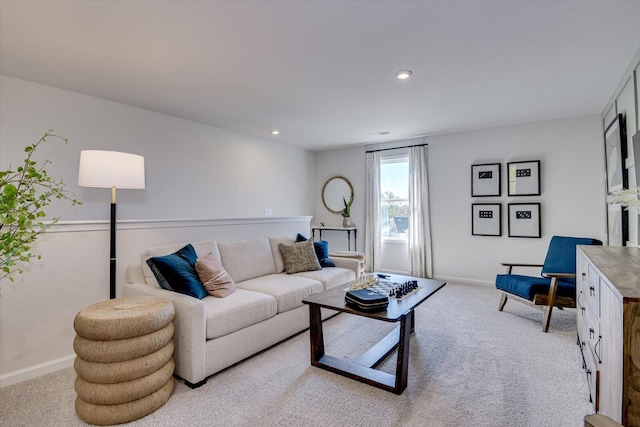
<point>394,198</point>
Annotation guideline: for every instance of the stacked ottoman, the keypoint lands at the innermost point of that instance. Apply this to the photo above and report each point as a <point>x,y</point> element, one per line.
<point>124,360</point>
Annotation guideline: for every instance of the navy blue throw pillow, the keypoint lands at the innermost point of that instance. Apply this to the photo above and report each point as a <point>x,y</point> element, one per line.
<point>177,272</point>
<point>322,251</point>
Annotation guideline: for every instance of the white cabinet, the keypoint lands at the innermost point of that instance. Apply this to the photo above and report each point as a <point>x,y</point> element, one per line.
<point>608,302</point>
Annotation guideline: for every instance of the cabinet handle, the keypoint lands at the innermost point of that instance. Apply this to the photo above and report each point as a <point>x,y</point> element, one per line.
<point>592,333</point>
<point>583,309</point>
<point>592,291</point>
<point>584,277</point>
<point>595,349</point>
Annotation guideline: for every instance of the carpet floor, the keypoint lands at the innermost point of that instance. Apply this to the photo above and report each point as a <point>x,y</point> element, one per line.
<point>469,365</point>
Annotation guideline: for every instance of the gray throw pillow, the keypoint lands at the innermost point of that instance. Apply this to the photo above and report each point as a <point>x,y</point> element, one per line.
<point>299,257</point>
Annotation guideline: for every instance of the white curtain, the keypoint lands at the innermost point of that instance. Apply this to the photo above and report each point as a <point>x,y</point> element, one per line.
<point>372,213</point>
<point>419,224</point>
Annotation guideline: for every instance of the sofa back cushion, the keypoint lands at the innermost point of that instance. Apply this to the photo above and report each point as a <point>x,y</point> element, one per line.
<point>274,241</point>
<point>201,248</point>
<point>247,259</point>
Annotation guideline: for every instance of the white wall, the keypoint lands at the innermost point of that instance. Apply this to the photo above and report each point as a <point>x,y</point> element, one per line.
<point>193,172</point>
<point>571,153</point>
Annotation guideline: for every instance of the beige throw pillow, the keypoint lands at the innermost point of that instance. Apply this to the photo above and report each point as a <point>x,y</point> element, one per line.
<point>213,276</point>
<point>299,257</point>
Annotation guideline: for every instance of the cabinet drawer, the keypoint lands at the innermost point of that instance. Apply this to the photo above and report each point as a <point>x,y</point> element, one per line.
<point>593,290</point>
<point>592,369</point>
<point>593,337</point>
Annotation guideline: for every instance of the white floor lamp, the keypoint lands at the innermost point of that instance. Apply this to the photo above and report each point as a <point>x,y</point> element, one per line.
<point>111,169</point>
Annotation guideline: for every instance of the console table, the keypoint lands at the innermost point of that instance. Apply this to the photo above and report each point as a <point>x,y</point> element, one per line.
<point>338,228</point>
<point>608,302</point>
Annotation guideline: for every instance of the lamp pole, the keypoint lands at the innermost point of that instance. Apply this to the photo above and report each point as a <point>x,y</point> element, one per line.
<point>112,245</point>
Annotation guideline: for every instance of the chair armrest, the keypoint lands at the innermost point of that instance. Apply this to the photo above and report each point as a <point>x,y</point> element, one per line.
<point>190,330</point>
<point>560,275</point>
<point>510,265</point>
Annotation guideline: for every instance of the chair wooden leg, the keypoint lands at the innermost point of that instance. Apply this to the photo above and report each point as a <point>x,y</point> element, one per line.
<point>546,313</point>
<point>503,301</point>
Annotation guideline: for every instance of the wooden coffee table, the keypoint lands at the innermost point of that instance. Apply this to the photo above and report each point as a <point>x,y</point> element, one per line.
<point>363,369</point>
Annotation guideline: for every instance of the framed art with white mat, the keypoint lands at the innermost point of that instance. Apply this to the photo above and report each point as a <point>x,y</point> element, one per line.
<point>485,180</point>
<point>524,220</point>
<point>615,154</point>
<point>486,219</point>
<point>524,178</point>
<point>617,225</point>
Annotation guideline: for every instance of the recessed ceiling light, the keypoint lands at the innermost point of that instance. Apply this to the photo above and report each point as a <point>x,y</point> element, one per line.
<point>403,74</point>
<point>275,132</point>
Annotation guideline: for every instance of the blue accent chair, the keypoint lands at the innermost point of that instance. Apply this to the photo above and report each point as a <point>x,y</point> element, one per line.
<point>556,287</point>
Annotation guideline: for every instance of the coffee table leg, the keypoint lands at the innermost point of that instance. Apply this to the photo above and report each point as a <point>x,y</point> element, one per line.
<point>315,333</point>
<point>402,364</point>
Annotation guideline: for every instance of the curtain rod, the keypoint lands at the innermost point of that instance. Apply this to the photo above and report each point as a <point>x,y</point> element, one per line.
<point>396,148</point>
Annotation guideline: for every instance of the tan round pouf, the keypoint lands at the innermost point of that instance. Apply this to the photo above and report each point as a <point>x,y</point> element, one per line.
<point>111,394</point>
<point>121,318</point>
<point>104,415</point>
<point>119,350</point>
<point>124,360</point>
<point>117,372</point>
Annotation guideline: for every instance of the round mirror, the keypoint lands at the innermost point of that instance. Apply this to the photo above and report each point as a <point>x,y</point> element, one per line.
<point>333,190</point>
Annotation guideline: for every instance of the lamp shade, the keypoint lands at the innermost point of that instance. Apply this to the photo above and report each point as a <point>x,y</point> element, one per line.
<point>111,169</point>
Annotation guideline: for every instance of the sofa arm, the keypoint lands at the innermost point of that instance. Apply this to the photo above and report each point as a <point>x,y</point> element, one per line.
<point>351,264</point>
<point>190,330</point>
<point>340,256</point>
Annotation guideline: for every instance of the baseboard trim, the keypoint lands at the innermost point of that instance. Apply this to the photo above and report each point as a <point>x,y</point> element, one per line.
<point>36,370</point>
<point>465,280</point>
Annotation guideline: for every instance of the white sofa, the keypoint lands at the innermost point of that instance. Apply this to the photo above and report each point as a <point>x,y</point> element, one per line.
<point>214,333</point>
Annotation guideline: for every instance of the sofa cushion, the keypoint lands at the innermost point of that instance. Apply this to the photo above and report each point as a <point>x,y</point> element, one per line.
<point>299,257</point>
<point>201,248</point>
<point>528,287</point>
<point>214,277</point>
<point>237,311</point>
<point>246,259</point>
<point>176,272</point>
<point>330,277</point>
<point>274,242</point>
<point>286,289</point>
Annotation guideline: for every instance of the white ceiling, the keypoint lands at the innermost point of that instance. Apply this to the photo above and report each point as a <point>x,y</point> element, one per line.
<point>322,72</point>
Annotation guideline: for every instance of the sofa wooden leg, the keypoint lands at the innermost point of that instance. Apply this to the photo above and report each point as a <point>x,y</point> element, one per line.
<point>503,301</point>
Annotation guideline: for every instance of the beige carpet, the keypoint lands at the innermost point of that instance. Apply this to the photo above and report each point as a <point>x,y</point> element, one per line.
<point>470,365</point>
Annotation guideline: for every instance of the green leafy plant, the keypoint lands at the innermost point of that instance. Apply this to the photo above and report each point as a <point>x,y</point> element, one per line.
<point>24,193</point>
<point>346,212</point>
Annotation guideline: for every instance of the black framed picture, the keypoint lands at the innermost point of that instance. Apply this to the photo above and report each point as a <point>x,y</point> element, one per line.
<point>617,230</point>
<point>524,220</point>
<point>615,154</point>
<point>486,219</point>
<point>524,178</point>
<point>485,180</point>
